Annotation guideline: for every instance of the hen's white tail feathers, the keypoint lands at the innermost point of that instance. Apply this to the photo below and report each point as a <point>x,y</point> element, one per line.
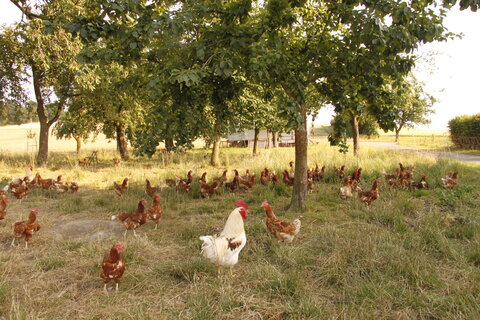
<point>6,188</point>
<point>214,248</point>
<point>298,225</point>
<point>114,217</point>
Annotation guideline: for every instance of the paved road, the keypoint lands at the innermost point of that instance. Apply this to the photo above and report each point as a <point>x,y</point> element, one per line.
<point>431,153</point>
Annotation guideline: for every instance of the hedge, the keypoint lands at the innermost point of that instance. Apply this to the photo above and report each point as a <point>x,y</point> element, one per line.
<point>465,131</point>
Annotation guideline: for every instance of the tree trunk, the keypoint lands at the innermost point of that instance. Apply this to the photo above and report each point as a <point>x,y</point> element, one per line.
<point>268,143</point>
<point>122,145</point>
<point>42,156</point>
<point>275,139</point>
<point>45,123</point>
<point>169,144</point>
<point>301,145</point>
<point>256,132</point>
<point>215,159</point>
<point>79,144</point>
<point>356,135</point>
<point>397,133</point>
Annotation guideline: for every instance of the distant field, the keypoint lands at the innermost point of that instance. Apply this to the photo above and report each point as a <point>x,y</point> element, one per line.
<point>14,139</point>
<point>418,138</point>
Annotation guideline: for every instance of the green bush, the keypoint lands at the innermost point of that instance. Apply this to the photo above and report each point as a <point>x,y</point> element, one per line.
<point>465,131</point>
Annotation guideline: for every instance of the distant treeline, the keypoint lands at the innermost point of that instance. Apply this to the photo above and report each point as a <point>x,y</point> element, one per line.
<point>13,114</point>
<point>465,131</point>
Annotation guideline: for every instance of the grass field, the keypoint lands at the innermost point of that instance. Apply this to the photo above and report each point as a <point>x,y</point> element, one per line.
<point>400,259</point>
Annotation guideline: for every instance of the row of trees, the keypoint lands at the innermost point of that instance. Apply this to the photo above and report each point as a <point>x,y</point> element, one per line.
<point>172,71</point>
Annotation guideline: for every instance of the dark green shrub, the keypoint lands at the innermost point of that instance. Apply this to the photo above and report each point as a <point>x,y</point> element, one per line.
<point>465,131</point>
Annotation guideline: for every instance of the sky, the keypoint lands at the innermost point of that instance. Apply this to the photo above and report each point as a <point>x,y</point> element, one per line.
<point>453,78</point>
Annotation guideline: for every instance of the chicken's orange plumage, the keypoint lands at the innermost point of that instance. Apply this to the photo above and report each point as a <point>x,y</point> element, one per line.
<point>282,230</point>
<point>155,211</point>
<point>120,189</point>
<point>133,220</point>
<point>151,191</point>
<point>113,265</point>
<point>369,196</point>
<point>25,229</point>
<point>3,207</point>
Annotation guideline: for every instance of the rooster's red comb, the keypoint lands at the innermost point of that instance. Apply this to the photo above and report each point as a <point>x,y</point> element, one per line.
<point>241,204</point>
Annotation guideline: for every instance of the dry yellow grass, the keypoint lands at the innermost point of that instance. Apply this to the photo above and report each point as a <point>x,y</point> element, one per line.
<point>14,139</point>
<point>396,259</point>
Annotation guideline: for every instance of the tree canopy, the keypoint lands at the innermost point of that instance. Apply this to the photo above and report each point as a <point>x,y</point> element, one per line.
<point>172,71</point>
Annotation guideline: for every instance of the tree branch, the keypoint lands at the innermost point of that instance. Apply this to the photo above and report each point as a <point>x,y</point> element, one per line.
<point>27,11</point>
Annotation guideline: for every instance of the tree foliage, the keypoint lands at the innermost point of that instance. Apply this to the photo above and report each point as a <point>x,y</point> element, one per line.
<point>411,104</point>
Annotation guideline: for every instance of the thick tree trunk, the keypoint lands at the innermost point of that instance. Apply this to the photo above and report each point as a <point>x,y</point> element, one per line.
<point>122,145</point>
<point>256,132</point>
<point>301,146</point>
<point>275,139</point>
<point>356,135</point>
<point>79,144</point>
<point>42,156</point>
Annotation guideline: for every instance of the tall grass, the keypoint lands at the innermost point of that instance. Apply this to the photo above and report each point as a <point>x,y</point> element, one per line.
<point>399,259</point>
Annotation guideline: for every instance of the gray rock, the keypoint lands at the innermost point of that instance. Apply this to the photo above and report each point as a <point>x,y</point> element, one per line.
<point>86,230</point>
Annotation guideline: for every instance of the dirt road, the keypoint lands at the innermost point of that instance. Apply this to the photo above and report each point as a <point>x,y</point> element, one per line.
<point>431,153</point>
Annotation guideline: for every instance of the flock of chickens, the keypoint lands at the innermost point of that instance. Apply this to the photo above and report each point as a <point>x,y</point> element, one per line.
<point>223,249</point>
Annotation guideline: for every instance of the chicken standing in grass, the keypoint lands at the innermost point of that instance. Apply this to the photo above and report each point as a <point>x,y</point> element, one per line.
<point>451,180</point>
<point>113,265</point>
<point>208,189</point>
<point>287,178</point>
<point>3,207</point>
<point>151,191</point>
<point>422,184</point>
<point>73,186</point>
<point>25,229</point>
<point>368,197</point>
<point>282,230</point>
<point>120,189</point>
<point>318,174</point>
<point>19,191</point>
<point>155,211</point>
<point>133,220</point>
<point>346,190</point>
<point>223,249</point>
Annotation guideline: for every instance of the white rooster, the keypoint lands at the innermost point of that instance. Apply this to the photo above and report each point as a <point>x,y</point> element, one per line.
<point>223,249</point>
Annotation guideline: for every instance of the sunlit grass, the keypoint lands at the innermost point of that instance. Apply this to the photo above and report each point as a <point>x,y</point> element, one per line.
<point>397,259</point>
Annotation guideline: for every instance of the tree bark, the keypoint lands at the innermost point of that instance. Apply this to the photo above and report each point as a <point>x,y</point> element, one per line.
<point>301,146</point>
<point>215,159</point>
<point>169,144</point>
<point>45,123</point>
<point>268,144</point>
<point>397,133</point>
<point>256,132</point>
<point>356,135</point>
<point>275,139</point>
<point>79,144</point>
<point>122,145</point>
<point>42,156</point>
